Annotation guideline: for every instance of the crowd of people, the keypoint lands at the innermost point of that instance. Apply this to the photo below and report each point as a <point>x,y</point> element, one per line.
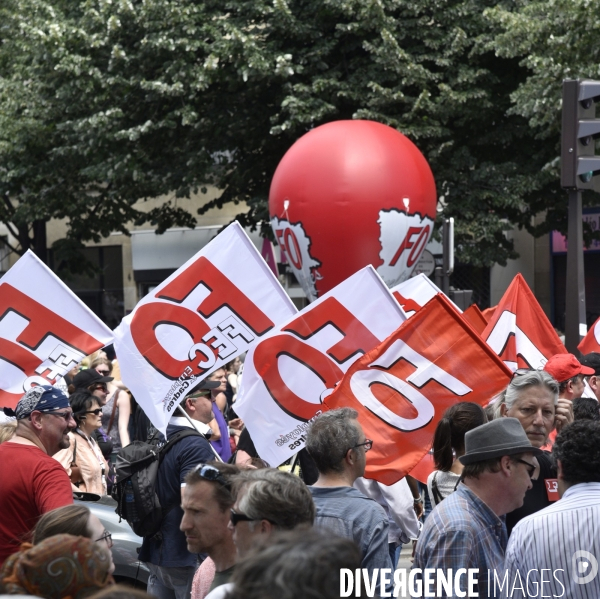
<point>514,497</point>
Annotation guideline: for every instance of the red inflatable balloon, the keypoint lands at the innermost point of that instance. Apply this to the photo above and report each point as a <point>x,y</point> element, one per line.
<point>349,194</point>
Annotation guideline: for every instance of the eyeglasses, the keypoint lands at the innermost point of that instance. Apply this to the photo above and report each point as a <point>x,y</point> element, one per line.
<point>106,537</point>
<point>236,517</point>
<point>211,474</point>
<point>66,416</point>
<point>530,469</point>
<point>368,444</point>
<point>97,411</point>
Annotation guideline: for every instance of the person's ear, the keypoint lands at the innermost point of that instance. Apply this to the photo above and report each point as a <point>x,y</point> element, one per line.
<point>350,457</point>
<point>506,465</point>
<point>266,527</point>
<point>503,409</point>
<point>559,470</point>
<point>36,420</point>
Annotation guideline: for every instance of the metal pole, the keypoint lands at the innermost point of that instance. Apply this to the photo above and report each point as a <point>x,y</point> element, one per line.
<point>575,320</point>
<point>446,263</point>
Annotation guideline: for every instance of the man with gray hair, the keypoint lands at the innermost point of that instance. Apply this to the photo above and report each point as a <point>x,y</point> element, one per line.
<point>337,444</point>
<point>532,398</point>
<point>268,500</point>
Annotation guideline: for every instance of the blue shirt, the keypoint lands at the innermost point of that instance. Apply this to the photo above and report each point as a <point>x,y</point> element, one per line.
<point>348,513</point>
<point>462,532</point>
<point>172,551</point>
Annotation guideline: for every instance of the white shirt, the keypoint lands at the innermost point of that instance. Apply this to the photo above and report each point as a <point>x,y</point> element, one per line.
<point>550,539</point>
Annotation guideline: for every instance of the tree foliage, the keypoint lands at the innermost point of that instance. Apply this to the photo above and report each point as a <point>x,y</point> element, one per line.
<point>107,102</point>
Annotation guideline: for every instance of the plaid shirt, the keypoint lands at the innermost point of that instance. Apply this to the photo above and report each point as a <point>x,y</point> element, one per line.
<point>462,532</point>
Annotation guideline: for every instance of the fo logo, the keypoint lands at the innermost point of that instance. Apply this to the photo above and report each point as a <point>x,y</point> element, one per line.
<point>585,567</point>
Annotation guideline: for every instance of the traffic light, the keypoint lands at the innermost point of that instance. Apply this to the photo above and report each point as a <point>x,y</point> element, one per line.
<point>580,128</point>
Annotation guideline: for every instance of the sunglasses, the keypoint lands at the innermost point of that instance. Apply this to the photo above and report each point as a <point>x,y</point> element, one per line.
<point>98,386</point>
<point>211,474</point>
<point>66,416</point>
<point>103,372</point>
<point>235,517</point>
<point>530,467</point>
<point>96,412</point>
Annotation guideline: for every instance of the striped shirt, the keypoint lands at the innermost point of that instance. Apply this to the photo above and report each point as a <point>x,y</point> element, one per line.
<point>544,546</point>
<point>462,532</point>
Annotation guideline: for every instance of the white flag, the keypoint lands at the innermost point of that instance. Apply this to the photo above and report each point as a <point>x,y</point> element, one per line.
<point>45,329</point>
<point>204,315</point>
<point>289,372</point>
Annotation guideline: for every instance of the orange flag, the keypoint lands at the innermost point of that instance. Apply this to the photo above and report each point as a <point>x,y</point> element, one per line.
<point>402,388</point>
<point>474,316</point>
<point>591,342</point>
<point>519,331</point>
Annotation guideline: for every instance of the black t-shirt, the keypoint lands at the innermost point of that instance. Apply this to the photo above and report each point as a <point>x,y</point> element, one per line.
<point>536,498</point>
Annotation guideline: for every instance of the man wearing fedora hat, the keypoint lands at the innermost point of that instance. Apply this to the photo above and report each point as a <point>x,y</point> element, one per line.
<point>466,529</point>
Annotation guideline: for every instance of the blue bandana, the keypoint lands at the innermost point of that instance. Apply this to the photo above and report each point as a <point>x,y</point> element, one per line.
<point>42,398</point>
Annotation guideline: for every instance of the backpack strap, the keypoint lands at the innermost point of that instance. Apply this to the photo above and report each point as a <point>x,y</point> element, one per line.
<point>437,496</point>
<point>178,436</point>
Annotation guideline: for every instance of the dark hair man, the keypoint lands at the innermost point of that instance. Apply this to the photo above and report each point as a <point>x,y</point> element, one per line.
<point>555,552</point>
<point>466,530</point>
<point>268,500</point>
<point>532,398</point>
<point>592,360</point>
<point>206,500</point>
<point>31,481</point>
<point>337,444</point>
<point>586,408</point>
<point>171,565</point>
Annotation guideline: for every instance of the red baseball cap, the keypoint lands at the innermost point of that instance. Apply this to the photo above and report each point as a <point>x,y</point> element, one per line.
<point>563,367</point>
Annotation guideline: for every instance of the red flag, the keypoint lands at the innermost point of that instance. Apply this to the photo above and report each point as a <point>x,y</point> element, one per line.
<point>489,312</point>
<point>474,316</point>
<point>519,331</point>
<point>591,342</point>
<point>402,388</point>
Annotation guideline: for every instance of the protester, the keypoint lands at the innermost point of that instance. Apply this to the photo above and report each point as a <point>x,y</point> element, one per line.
<point>564,538</point>
<point>449,445</point>
<point>171,565</point>
<point>60,567</point>
<point>586,408</point>
<point>206,500</point>
<point>117,409</point>
<point>466,530</point>
<point>592,360</point>
<point>532,398</point>
<point>220,436</point>
<point>31,481</point>
<point>83,459</point>
<point>399,506</point>
<point>296,565</point>
<point>569,373</point>
<point>337,444</point>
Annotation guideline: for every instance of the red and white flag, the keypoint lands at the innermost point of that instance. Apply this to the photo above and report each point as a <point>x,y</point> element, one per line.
<point>209,311</point>
<point>414,293</point>
<point>519,331</point>
<point>45,329</point>
<point>287,374</point>
<point>402,388</point>
<point>591,342</point>
<point>474,316</point>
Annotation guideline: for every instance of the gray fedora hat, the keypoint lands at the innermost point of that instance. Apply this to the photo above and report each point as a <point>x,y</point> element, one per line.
<point>503,436</point>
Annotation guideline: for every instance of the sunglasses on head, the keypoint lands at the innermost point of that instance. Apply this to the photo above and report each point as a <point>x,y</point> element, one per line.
<point>211,474</point>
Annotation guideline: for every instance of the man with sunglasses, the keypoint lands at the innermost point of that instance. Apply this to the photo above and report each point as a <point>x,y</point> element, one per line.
<point>171,565</point>
<point>207,499</point>
<point>337,444</point>
<point>31,481</point>
<point>466,530</point>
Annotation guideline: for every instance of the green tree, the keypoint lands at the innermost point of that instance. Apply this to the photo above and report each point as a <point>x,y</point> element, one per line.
<point>106,102</point>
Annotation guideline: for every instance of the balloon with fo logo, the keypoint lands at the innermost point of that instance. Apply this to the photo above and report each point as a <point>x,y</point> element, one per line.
<point>348,194</point>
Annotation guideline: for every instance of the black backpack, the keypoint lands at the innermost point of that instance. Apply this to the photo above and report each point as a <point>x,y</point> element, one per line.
<point>135,486</point>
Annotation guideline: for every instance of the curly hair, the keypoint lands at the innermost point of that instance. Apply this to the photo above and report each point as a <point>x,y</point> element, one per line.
<point>330,437</point>
<point>578,450</point>
<point>586,408</point>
